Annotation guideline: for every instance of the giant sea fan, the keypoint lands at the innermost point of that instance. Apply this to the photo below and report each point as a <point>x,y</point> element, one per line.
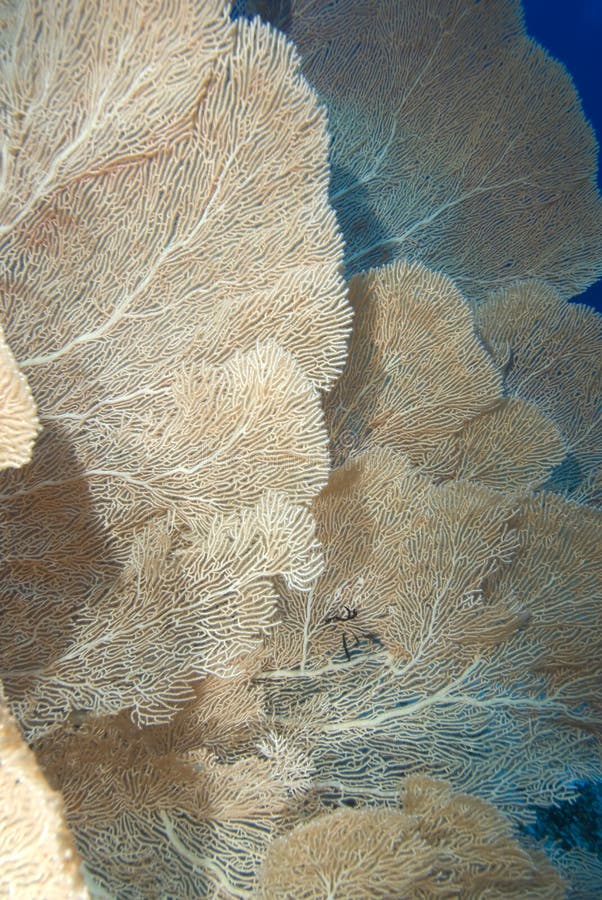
<point>457,140</point>
<point>174,333</point>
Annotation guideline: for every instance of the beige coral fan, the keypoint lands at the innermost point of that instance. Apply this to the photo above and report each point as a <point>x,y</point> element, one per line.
<point>172,287</point>
<point>551,354</point>
<point>558,573</point>
<point>510,447</point>
<point>37,852</point>
<point>440,844</point>
<point>116,79</point>
<point>419,380</point>
<point>19,424</point>
<point>211,813</point>
<point>457,141</point>
<point>170,282</point>
<point>470,652</point>
<point>416,369</point>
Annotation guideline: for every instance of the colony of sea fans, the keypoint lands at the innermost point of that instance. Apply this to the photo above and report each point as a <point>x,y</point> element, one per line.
<point>300,441</point>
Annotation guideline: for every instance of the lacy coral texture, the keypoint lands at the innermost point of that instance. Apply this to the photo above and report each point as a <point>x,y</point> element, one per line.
<point>300,448</point>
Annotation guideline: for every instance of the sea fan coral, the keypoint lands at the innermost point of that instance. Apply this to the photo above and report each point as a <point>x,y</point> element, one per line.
<point>457,140</point>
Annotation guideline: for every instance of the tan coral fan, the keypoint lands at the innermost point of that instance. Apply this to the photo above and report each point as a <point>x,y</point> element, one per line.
<point>416,370</point>
<point>510,447</point>
<point>419,380</point>
<point>37,853</point>
<point>440,844</point>
<point>461,586</point>
<point>177,311</point>
<point>211,814</point>
<point>457,141</point>
<point>116,78</point>
<point>551,354</point>
<point>18,417</point>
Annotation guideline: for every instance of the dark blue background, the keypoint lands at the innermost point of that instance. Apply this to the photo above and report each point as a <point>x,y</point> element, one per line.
<point>571,30</point>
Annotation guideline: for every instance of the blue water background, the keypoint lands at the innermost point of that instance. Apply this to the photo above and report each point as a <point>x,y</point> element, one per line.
<point>571,30</point>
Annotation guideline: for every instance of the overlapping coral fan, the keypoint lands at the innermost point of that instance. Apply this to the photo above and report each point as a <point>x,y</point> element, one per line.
<point>441,845</point>
<point>248,677</point>
<point>37,850</point>
<point>419,380</point>
<point>170,287</point>
<point>549,351</point>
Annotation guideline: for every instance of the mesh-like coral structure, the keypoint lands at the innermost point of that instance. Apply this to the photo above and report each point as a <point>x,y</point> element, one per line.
<point>457,141</point>
<point>261,578</point>
<point>172,293</point>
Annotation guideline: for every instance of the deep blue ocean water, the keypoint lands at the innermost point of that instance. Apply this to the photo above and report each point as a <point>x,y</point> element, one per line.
<point>571,30</point>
